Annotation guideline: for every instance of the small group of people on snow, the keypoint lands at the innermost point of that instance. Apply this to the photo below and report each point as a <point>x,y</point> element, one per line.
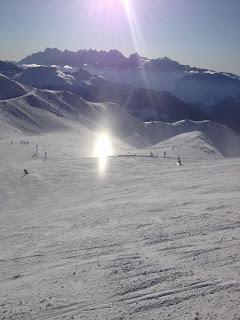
<point>179,162</point>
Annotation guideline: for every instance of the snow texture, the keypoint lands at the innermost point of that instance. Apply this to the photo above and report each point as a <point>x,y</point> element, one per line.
<point>143,239</point>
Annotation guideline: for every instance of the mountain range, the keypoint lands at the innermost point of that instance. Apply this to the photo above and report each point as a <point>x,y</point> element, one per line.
<point>27,110</point>
<point>191,84</point>
<point>54,90</point>
<point>151,89</point>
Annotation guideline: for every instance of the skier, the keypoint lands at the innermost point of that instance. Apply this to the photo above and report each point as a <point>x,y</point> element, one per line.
<point>164,154</point>
<point>179,162</point>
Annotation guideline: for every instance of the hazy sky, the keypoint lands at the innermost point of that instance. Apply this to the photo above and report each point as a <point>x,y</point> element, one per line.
<point>203,33</point>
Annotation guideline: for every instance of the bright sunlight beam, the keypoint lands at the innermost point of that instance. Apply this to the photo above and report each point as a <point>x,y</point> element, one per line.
<point>103,149</point>
<point>133,25</point>
<point>135,32</point>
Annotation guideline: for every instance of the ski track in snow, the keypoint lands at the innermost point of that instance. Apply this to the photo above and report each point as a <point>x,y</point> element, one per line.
<point>146,240</point>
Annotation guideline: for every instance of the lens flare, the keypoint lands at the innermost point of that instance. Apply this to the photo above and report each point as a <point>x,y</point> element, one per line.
<point>133,25</point>
<point>136,34</point>
<point>103,149</point>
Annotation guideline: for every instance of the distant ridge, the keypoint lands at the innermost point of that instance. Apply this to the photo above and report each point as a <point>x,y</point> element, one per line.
<point>191,84</point>
<point>112,58</point>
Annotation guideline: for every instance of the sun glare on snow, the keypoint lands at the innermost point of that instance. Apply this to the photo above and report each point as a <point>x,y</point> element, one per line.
<point>103,149</point>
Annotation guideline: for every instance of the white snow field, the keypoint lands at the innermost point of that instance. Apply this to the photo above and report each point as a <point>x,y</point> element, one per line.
<point>131,237</point>
<point>98,229</point>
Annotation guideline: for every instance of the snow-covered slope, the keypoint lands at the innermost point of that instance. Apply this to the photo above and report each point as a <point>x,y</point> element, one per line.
<point>143,103</point>
<point>9,69</point>
<point>223,138</point>
<point>45,77</point>
<point>10,88</point>
<point>142,239</point>
<point>193,145</point>
<point>42,111</point>
<point>31,111</point>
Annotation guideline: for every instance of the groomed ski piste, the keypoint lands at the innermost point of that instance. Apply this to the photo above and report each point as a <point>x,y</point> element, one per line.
<point>104,226</point>
<point>117,237</point>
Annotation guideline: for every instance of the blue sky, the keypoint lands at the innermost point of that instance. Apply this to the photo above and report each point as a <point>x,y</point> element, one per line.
<point>204,33</point>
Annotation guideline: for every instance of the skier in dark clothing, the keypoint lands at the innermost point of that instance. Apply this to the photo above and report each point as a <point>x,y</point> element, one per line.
<point>179,162</point>
<point>25,171</point>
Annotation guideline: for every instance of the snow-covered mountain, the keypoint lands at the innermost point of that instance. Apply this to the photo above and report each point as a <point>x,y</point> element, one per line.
<point>10,89</point>
<point>45,77</point>
<point>222,137</point>
<point>194,85</point>
<point>191,145</point>
<point>9,69</point>
<point>113,58</point>
<point>227,111</point>
<point>146,104</point>
<point>37,111</point>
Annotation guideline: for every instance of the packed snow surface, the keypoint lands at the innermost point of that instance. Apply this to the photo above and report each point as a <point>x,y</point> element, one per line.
<point>131,237</point>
